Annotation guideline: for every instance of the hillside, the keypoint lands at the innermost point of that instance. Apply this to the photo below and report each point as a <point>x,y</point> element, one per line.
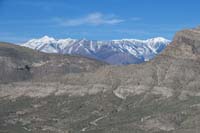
<point>159,96</point>
<point>20,63</point>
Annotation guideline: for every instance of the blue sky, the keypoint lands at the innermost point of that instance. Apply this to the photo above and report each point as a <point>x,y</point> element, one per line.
<point>21,20</point>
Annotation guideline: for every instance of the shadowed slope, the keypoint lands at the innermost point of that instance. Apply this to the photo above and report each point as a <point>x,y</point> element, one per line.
<point>20,63</point>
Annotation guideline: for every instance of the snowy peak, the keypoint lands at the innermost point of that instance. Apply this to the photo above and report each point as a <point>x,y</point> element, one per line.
<point>155,40</point>
<point>158,39</point>
<point>45,39</point>
<point>127,50</point>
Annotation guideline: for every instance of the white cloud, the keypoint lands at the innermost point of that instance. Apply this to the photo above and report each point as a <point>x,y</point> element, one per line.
<point>91,19</point>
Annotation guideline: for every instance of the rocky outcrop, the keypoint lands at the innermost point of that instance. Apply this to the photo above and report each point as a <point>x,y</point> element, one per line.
<point>186,45</point>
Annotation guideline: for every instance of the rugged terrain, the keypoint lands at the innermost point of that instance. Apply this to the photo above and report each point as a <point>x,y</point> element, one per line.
<point>159,96</point>
<point>118,52</point>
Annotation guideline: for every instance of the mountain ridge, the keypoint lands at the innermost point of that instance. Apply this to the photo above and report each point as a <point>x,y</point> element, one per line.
<point>108,51</point>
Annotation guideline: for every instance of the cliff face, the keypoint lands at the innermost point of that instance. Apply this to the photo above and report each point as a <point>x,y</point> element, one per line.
<point>162,95</point>
<point>186,45</point>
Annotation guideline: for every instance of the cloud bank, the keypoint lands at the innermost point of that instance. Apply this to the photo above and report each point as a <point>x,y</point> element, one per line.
<point>92,19</point>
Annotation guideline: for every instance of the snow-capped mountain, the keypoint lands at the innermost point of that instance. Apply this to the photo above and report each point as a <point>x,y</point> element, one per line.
<point>125,51</point>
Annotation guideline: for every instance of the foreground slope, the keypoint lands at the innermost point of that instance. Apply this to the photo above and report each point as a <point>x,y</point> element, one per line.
<point>160,96</point>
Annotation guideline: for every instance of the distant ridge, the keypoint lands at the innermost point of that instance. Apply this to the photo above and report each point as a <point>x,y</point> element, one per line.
<point>124,51</point>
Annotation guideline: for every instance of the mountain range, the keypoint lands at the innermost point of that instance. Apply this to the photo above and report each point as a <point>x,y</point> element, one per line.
<point>55,93</point>
<point>118,52</point>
